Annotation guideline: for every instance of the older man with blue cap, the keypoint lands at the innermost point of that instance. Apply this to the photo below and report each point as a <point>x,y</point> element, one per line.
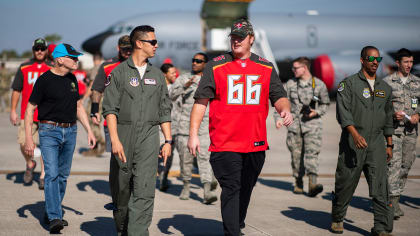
<point>56,96</point>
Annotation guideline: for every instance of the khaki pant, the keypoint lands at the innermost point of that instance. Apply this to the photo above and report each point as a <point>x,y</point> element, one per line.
<point>21,133</point>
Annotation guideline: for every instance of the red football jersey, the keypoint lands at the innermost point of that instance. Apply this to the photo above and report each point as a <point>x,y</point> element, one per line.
<point>24,81</point>
<point>239,92</point>
<point>81,77</point>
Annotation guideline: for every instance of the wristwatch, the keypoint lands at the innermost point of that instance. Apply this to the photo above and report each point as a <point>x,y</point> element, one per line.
<point>169,141</point>
<point>390,145</point>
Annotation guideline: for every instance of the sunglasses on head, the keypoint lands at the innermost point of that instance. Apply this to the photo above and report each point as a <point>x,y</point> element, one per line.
<point>198,61</point>
<point>372,58</point>
<point>152,42</point>
<point>39,48</point>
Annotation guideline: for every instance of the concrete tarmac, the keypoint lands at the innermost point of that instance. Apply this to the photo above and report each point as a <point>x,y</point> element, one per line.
<point>274,209</point>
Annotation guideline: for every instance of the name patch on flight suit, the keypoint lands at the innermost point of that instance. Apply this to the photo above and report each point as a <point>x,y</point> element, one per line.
<point>414,102</point>
<point>380,93</point>
<point>150,81</point>
<point>366,93</point>
<point>134,81</point>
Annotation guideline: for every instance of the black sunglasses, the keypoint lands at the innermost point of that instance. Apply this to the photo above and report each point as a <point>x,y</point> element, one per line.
<point>152,42</point>
<point>73,58</point>
<point>372,58</point>
<point>39,49</point>
<point>198,61</point>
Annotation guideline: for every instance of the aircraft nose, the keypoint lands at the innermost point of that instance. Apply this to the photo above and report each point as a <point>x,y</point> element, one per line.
<point>93,44</point>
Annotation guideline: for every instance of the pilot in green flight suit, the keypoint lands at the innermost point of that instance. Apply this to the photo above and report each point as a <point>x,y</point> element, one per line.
<point>135,102</point>
<point>364,111</point>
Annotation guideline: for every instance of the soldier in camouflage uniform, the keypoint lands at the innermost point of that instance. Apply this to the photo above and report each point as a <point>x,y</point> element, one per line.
<point>405,98</point>
<point>169,71</point>
<point>309,100</point>
<point>5,83</point>
<point>182,93</point>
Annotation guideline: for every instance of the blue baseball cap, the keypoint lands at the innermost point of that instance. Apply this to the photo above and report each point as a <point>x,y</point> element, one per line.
<point>64,49</point>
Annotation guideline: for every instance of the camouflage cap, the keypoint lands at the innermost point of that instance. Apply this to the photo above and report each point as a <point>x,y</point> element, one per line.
<point>39,42</point>
<point>241,27</point>
<point>124,42</point>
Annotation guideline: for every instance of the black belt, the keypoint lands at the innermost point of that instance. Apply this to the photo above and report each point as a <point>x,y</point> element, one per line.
<point>63,125</point>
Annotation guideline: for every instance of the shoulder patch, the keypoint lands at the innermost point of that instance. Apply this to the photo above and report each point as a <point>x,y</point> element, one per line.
<point>108,80</point>
<point>219,58</point>
<point>341,87</point>
<point>263,59</point>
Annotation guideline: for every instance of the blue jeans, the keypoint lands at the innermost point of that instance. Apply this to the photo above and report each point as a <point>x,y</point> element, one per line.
<point>57,147</point>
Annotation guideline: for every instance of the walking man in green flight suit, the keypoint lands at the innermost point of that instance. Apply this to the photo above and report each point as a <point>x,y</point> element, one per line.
<point>364,111</point>
<point>135,102</point>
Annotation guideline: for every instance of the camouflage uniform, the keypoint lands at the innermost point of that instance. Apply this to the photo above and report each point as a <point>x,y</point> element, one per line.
<point>304,136</point>
<point>184,102</point>
<point>405,133</point>
<point>5,83</point>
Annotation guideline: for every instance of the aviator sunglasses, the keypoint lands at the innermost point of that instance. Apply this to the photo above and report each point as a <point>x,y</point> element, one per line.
<point>152,42</point>
<point>198,61</point>
<point>372,58</point>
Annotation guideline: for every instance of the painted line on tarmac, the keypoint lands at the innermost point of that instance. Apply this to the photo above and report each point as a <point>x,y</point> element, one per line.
<point>259,230</point>
<point>177,174</point>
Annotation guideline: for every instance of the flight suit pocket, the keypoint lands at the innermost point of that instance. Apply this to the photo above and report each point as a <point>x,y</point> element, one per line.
<point>126,103</point>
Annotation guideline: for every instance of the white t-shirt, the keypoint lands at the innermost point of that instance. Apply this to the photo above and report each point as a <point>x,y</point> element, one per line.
<point>371,83</point>
<point>404,79</point>
<point>142,70</point>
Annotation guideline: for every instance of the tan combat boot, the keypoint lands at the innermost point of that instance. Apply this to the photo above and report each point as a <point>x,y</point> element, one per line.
<point>298,189</point>
<point>314,188</point>
<point>395,204</point>
<point>185,194</point>
<point>337,227</point>
<point>209,196</point>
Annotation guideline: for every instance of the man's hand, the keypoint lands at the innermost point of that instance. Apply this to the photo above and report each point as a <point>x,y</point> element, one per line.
<point>194,145</point>
<point>287,118</point>
<point>312,114</point>
<point>165,152</point>
<point>359,141</point>
<point>414,119</point>
<point>29,147</point>
<point>399,115</point>
<point>388,154</point>
<point>118,150</point>
<point>91,140</point>
<point>96,119</point>
<point>13,118</point>
<point>190,82</point>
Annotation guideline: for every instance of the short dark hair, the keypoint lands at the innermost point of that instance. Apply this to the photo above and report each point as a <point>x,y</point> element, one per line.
<point>139,32</point>
<point>303,60</point>
<point>403,52</point>
<point>165,67</point>
<point>206,58</point>
<point>364,51</point>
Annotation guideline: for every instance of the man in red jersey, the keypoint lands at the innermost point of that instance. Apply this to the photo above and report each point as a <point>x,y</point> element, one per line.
<point>98,86</point>
<point>238,85</point>
<point>23,83</point>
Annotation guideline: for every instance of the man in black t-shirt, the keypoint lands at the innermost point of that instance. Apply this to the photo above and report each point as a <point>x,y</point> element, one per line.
<point>56,96</point>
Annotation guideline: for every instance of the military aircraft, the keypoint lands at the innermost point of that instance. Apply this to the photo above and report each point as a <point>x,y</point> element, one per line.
<point>333,42</point>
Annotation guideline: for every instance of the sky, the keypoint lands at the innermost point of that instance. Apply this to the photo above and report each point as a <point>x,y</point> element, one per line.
<point>21,21</point>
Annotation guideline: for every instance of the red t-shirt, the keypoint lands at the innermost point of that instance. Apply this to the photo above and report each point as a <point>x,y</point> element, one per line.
<point>81,77</point>
<point>24,81</point>
<point>239,91</point>
<point>103,74</point>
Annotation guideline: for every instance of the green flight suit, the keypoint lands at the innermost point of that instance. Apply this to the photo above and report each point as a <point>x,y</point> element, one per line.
<point>140,104</point>
<point>370,112</point>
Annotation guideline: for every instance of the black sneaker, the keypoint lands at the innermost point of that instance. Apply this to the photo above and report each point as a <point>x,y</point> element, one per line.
<point>55,226</point>
<point>47,221</point>
<point>65,223</point>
